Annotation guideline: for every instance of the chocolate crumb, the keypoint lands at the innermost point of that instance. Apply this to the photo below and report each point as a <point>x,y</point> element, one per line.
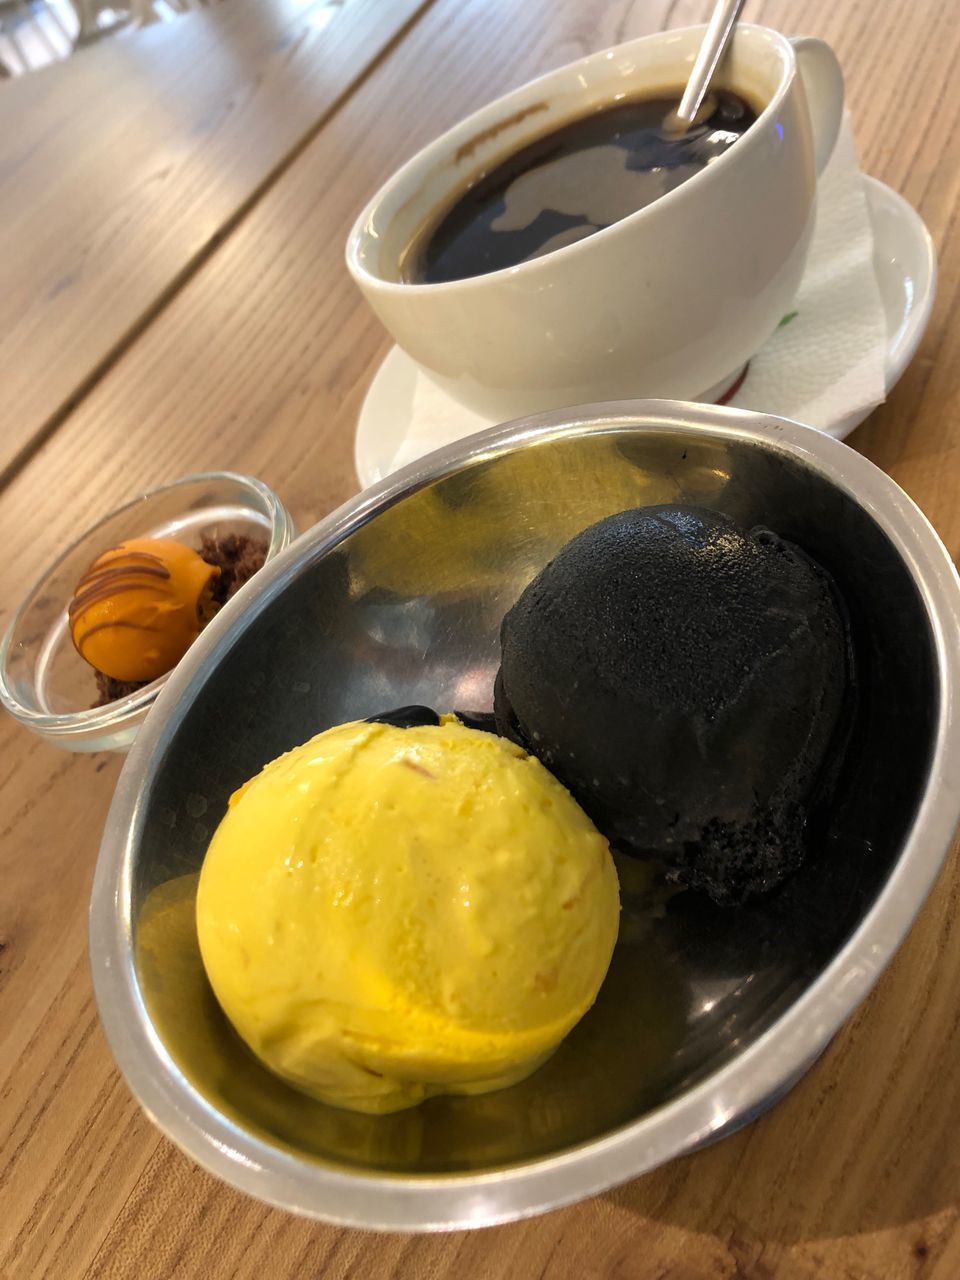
<point>110,690</point>
<point>238,557</point>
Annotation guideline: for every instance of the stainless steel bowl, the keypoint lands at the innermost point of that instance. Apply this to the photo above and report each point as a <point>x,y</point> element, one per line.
<point>707,1016</point>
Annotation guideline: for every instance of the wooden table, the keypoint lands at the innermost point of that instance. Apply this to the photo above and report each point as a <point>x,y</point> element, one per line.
<point>173,207</point>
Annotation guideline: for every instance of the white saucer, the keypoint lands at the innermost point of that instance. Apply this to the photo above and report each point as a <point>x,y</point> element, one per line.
<point>906,268</point>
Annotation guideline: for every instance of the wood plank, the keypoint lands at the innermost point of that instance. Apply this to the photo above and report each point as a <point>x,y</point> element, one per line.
<point>121,168</point>
<point>260,362</point>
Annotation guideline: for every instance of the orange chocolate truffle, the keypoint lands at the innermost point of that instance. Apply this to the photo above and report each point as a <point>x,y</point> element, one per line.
<point>139,607</point>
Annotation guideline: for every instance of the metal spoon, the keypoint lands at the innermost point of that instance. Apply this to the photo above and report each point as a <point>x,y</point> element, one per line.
<point>718,33</point>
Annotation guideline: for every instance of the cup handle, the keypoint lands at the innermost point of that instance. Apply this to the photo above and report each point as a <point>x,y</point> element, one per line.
<point>823,83</point>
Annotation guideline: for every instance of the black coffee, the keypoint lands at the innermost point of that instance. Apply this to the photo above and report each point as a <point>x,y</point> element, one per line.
<point>570,183</point>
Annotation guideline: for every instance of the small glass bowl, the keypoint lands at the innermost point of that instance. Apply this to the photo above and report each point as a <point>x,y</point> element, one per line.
<point>44,683</point>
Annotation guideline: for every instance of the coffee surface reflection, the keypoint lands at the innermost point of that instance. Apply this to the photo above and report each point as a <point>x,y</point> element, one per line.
<point>570,183</point>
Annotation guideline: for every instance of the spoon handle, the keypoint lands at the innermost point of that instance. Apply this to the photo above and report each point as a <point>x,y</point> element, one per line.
<point>715,40</point>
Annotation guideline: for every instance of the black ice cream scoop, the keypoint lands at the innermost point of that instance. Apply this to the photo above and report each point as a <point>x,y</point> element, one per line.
<point>689,682</point>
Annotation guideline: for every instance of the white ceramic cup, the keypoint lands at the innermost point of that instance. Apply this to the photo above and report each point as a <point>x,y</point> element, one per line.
<point>669,302</point>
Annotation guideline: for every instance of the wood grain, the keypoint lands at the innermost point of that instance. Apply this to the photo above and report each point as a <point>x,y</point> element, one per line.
<point>260,362</point>
<point>121,169</point>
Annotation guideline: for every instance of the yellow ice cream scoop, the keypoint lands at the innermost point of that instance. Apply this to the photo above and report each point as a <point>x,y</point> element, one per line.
<point>386,914</point>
